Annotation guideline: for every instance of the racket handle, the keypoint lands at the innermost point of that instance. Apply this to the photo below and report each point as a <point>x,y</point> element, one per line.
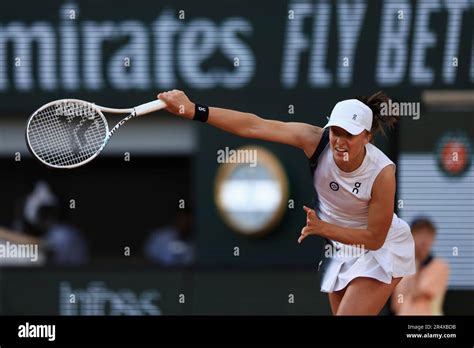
<point>149,107</point>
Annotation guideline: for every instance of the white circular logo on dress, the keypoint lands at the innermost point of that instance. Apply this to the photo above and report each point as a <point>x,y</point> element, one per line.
<point>334,186</point>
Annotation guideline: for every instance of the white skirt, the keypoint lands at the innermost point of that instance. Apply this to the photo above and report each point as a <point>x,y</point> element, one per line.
<point>396,258</point>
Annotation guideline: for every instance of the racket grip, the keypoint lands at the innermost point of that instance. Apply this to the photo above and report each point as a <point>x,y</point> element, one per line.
<point>149,107</point>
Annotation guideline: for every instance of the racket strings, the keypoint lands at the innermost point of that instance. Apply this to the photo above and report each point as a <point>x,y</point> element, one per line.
<point>67,133</point>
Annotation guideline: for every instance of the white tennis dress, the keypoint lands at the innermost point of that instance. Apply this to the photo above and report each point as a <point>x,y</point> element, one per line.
<point>343,200</point>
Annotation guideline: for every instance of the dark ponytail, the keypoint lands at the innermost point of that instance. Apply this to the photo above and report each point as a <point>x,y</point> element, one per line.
<point>376,102</point>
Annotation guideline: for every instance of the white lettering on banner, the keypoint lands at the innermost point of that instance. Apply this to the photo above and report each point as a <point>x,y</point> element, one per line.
<point>422,41</point>
<point>94,35</point>
<point>23,37</point>
<point>69,38</point>
<point>295,43</point>
<point>164,30</point>
<point>349,23</point>
<point>78,54</point>
<point>137,48</point>
<point>393,44</point>
<point>451,49</point>
<point>400,25</point>
<point>319,75</point>
<point>98,299</point>
<point>232,47</point>
<point>196,42</point>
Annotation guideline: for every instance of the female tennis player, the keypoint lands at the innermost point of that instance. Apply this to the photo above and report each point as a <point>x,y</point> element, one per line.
<point>368,248</point>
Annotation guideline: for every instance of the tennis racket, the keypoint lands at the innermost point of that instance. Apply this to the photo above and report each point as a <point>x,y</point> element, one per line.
<point>69,133</point>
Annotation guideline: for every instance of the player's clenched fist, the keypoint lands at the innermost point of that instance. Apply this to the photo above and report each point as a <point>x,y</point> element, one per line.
<point>178,103</point>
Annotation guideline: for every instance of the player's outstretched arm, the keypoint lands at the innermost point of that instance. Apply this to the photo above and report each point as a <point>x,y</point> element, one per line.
<point>248,125</point>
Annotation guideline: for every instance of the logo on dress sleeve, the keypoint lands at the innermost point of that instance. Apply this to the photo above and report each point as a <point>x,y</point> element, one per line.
<point>356,187</point>
<point>334,186</point>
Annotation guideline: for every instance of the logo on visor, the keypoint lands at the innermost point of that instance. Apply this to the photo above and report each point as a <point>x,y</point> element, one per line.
<point>334,186</point>
<point>354,117</point>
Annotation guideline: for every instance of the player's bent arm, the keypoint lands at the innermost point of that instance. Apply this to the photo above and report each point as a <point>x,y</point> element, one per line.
<point>248,125</point>
<point>380,216</point>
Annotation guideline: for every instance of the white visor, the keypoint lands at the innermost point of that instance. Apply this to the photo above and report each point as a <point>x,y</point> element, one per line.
<point>352,115</point>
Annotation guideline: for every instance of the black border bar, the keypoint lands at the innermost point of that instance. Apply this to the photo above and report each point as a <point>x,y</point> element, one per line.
<point>138,330</point>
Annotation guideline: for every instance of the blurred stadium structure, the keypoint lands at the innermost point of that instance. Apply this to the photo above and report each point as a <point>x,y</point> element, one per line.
<point>285,60</point>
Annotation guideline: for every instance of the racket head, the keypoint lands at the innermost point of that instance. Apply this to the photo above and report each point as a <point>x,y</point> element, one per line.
<point>66,133</point>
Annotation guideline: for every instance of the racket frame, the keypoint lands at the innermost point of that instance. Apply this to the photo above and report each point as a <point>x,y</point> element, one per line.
<point>132,113</point>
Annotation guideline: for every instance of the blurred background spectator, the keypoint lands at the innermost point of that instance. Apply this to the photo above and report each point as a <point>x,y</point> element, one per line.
<point>41,217</point>
<point>423,293</point>
<point>173,244</point>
